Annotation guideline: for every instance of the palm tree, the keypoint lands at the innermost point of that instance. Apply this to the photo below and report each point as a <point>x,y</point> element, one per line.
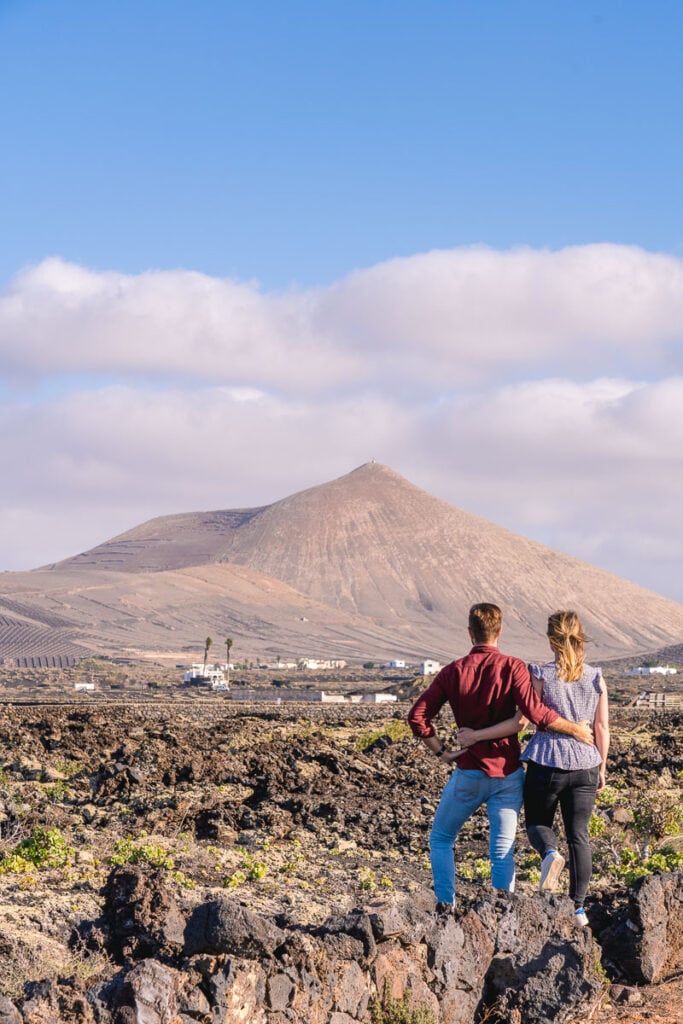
<point>228,645</point>
<point>207,645</point>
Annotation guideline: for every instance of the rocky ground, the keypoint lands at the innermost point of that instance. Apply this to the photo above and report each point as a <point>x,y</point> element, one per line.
<point>298,820</point>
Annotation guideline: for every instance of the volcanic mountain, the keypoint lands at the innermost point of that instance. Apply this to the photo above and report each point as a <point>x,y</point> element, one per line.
<point>364,566</point>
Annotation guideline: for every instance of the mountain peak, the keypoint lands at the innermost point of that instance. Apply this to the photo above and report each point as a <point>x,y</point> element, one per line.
<point>373,545</point>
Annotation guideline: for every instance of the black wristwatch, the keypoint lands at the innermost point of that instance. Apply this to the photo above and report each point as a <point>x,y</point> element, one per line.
<point>440,751</point>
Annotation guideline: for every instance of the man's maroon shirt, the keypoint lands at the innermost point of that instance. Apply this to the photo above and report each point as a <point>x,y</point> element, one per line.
<point>483,688</point>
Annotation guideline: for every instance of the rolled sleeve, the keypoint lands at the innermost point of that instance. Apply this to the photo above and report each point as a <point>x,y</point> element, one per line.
<point>426,708</point>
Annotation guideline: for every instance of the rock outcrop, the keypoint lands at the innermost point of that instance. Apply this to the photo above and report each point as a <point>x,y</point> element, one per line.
<point>644,943</point>
<point>223,963</point>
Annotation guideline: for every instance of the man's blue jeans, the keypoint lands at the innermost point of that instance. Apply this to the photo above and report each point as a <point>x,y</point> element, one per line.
<point>466,790</point>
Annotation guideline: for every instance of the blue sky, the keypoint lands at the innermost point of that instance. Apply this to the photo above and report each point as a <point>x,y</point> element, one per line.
<point>293,142</point>
<point>247,246</point>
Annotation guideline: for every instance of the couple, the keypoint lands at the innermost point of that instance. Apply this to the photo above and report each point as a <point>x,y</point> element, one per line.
<point>491,695</point>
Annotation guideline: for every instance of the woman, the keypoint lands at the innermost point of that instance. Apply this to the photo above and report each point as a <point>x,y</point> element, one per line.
<point>560,770</point>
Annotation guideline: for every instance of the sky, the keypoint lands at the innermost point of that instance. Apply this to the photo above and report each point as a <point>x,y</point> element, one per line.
<point>247,246</point>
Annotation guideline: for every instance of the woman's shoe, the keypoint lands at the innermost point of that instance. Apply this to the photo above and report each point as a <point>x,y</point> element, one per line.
<point>551,867</point>
<point>580,917</point>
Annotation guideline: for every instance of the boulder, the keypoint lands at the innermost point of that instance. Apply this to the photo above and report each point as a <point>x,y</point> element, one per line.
<point>41,1003</point>
<point>349,937</point>
<point>142,917</point>
<point>237,993</point>
<point>222,926</point>
<point>644,942</point>
<point>459,954</point>
<point>148,995</point>
<point>8,1012</point>
<point>545,969</point>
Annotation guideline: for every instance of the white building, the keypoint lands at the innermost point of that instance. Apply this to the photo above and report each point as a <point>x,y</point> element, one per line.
<point>429,667</point>
<point>378,698</point>
<point>317,663</point>
<point>652,670</point>
<point>213,674</point>
<point>397,663</point>
<point>84,686</point>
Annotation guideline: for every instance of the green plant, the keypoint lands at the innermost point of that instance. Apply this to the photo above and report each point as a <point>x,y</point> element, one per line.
<point>255,868</point>
<point>366,878</point>
<point>250,869</point>
<point>655,816</point>
<point>396,730</point>
<point>632,866</point>
<point>607,797</point>
<point>57,792</point>
<point>235,879</point>
<point>126,851</point>
<point>596,826</point>
<point>477,869</point>
<point>398,1011</point>
<point>46,848</point>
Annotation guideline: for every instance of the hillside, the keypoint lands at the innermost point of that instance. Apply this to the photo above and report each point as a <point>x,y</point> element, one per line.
<point>394,568</point>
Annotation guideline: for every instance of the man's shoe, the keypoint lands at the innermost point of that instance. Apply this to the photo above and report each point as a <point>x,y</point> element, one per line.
<point>551,867</point>
<point>444,909</point>
<point>580,917</point>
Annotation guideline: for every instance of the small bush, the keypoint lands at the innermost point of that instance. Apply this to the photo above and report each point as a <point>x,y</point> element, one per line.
<point>475,870</point>
<point>396,730</point>
<point>126,851</point>
<point>399,1011</point>
<point>46,848</point>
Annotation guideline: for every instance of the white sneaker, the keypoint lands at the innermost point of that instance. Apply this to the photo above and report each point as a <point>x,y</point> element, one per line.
<point>580,917</point>
<point>551,867</point>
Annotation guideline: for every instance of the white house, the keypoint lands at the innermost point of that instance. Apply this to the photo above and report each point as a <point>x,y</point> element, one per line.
<point>212,674</point>
<point>397,663</point>
<point>318,663</point>
<point>429,667</point>
<point>378,698</point>
<point>652,670</point>
<point>84,686</point>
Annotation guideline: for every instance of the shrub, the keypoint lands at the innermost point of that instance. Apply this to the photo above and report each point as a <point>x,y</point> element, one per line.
<point>398,1011</point>
<point>46,848</point>
<point>477,869</point>
<point>126,851</point>
<point>395,730</point>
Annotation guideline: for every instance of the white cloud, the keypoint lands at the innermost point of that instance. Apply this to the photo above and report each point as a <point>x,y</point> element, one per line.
<point>444,319</point>
<point>537,389</point>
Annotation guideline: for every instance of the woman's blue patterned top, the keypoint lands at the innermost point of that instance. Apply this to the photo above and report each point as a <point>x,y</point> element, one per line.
<point>577,701</point>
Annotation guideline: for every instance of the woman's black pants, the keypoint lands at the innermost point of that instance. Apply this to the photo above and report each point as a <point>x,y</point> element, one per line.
<point>574,791</point>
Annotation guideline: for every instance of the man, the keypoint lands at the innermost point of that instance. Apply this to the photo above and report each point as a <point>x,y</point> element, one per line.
<point>484,688</point>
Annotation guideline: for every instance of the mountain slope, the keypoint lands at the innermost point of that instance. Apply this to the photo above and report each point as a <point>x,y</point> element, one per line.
<point>376,547</point>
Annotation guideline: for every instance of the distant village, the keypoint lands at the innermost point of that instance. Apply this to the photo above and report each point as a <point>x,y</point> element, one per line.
<point>217,678</point>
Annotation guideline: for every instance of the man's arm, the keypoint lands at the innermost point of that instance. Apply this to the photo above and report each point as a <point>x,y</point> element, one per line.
<point>425,709</point>
<point>468,737</point>
<point>527,698</point>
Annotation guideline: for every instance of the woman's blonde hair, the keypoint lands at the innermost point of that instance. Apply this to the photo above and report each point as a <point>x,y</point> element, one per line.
<point>567,639</point>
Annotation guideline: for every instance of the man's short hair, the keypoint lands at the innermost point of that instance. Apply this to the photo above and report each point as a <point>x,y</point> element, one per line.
<point>485,621</point>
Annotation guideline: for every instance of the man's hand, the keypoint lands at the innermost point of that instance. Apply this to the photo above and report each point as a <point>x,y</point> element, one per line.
<point>583,732</point>
<point>449,756</point>
<point>466,737</point>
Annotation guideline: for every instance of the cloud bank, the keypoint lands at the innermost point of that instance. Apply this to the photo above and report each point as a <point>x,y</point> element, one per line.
<point>540,389</point>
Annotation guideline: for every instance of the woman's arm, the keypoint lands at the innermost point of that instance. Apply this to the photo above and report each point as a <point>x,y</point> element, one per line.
<point>601,730</point>
<point>467,737</point>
